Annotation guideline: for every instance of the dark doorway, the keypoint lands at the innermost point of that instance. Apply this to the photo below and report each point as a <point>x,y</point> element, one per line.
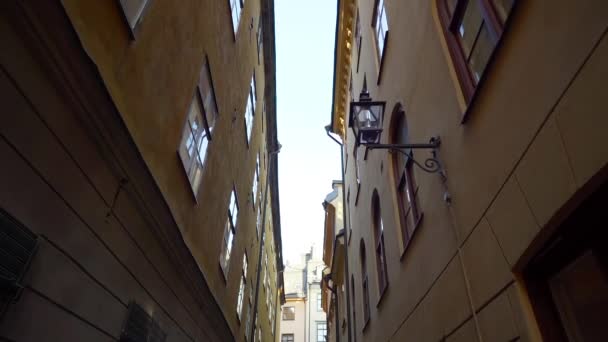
<point>568,279</point>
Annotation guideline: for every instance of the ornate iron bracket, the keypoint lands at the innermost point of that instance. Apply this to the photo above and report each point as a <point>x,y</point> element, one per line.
<point>431,164</point>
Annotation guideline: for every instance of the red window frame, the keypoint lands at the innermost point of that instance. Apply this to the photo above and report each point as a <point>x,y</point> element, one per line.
<point>364,284</point>
<point>381,268</point>
<point>450,23</point>
<point>405,183</point>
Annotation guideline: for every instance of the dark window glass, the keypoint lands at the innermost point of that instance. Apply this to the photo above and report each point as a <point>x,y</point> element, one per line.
<point>473,28</point>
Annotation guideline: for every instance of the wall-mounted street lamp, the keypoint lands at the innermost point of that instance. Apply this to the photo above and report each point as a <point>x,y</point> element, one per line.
<point>366,118</point>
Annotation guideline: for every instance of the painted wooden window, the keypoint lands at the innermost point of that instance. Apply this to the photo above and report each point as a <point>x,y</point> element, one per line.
<point>260,39</point>
<point>242,286</point>
<point>358,41</point>
<point>133,10</point>
<point>287,338</point>
<point>256,179</point>
<point>229,232</point>
<point>380,25</point>
<point>198,129</point>
<point>364,283</point>
<point>405,184</point>
<point>248,321</point>
<point>319,301</point>
<point>378,230</point>
<point>250,108</point>
<point>472,29</point>
<point>236,6</point>
<point>321,331</point>
<point>289,313</point>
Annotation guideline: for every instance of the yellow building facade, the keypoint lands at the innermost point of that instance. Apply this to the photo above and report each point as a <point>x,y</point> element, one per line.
<point>494,246</point>
<point>140,161</point>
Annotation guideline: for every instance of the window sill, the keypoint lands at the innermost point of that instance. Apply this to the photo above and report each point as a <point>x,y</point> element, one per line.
<point>382,295</point>
<point>183,167</point>
<point>223,274</point>
<point>409,242</point>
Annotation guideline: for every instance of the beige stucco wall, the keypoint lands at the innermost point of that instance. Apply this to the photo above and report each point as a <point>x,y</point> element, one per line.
<point>296,326</point>
<point>151,80</point>
<point>532,140</point>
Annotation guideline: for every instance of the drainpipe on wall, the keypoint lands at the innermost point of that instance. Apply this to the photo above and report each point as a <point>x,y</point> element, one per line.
<point>337,314</point>
<point>347,280</point>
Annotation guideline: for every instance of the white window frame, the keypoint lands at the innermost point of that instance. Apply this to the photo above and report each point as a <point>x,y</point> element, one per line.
<point>236,7</point>
<point>229,232</point>
<point>242,286</point>
<point>250,109</point>
<point>256,180</point>
<point>380,28</point>
<point>198,129</point>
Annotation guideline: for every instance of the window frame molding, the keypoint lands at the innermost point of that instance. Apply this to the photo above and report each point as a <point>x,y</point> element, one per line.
<point>379,246</point>
<point>467,87</point>
<point>380,55</point>
<point>406,178</point>
<point>241,3</point>
<point>199,96</point>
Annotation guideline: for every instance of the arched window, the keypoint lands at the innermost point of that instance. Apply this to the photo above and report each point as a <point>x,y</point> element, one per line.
<point>364,284</point>
<point>472,29</point>
<point>378,229</point>
<point>405,184</point>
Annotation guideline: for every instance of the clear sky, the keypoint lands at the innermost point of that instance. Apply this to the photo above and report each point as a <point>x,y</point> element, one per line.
<point>309,160</point>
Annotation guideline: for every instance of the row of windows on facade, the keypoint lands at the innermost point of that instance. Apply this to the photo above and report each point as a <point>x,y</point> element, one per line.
<point>472,29</point>
<point>289,312</point>
<point>133,11</point>
<point>321,333</point>
<point>196,138</point>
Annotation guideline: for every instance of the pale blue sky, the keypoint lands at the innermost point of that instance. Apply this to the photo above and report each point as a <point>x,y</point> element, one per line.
<point>309,160</point>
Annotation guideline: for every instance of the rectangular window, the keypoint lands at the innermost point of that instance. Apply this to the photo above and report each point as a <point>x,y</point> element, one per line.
<point>365,300</point>
<point>258,223</point>
<point>319,302</point>
<point>256,178</point>
<point>239,301</point>
<point>358,40</point>
<point>287,338</point>
<point>472,29</point>
<point>381,28</point>
<point>229,233</point>
<point>270,307</point>
<point>235,9</point>
<point>250,108</point>
<point>260,40</point>
<point>198,129</point>
<point>289,313</point>
<point>248,322</point>
<point>321,331</point>
<point>133,10</point>
<point>242,286</point>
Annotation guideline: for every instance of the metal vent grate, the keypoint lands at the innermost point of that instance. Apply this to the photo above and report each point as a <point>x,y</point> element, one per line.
<point>140,327</point>
<point>17,246</point>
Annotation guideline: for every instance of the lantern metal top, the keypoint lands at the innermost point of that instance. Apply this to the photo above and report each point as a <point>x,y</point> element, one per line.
<point>366,118</point>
